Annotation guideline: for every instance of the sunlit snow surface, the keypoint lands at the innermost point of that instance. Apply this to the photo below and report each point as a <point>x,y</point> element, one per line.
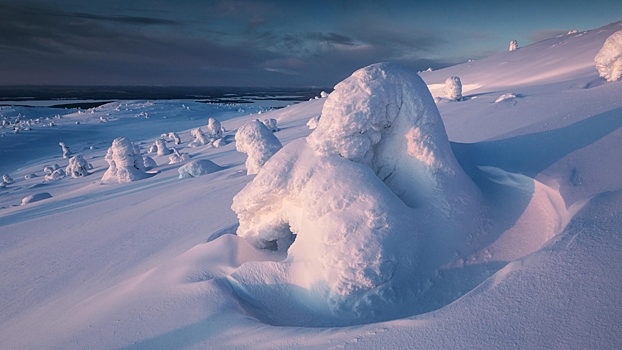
<point>146,264</point>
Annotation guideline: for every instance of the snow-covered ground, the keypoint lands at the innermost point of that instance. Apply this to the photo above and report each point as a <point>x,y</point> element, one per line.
<point>155,263</point>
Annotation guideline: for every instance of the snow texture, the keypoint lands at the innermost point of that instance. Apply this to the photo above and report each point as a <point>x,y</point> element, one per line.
<point>609,58</point>
<point>313,122</point>
<point>453,88</point>
<point>513,45</point>
<point>271,124</point>
<point>197,168</point>
<point>78,166</point>
<point>259,144</point>
<point>124,161</point>
<point>36,197</point>
<point>356,196</point>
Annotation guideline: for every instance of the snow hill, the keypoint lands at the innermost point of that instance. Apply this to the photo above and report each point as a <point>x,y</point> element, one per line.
<point>155,263</point>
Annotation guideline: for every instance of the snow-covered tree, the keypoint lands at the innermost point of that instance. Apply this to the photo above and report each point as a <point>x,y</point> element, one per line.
<point>609,58</point>
<point>214,130</point>
<point>161,146</point>
<point>513,45</point>
<point>125,162</point>
<point>66,151</point>
<point>365,196</point>
<point>199,138</point>
<point>78,166</point>
<point>258,142</point>
<point>178,157</point>
<point>173,136</point>
<point>453,88</point>
<point>271,124</point>
<point>7,179</point>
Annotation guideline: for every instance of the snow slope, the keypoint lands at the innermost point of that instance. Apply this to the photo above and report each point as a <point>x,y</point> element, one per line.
<point>147,264</point>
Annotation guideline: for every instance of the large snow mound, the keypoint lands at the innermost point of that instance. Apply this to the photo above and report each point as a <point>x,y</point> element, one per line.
<point>373,200</point>
<point>609,58</point>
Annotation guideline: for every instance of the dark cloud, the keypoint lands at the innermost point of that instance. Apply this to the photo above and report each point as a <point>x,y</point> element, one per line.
<point>125,19</point>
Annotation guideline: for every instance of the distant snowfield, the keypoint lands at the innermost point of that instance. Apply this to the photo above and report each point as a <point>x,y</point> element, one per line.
<point>149,264</point>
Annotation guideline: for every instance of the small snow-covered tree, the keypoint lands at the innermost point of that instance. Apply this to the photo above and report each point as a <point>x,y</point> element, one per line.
<point>199,138</point>
<point>609,58</point>
<point>513,45</point>
<point>161,145</point>
<point>258,142</point>
<point>173,136</point>
<point>78,166</point>
<point>177,157</point>
<point>7,179</point>
<point>214,130</point>
<point>453,88</point>
<point>271,124</point>
<point>66,151</point>
<point>125,162</point>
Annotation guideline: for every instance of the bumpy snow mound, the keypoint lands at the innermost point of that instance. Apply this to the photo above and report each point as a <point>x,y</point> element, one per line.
<point>50,169</point>
<point>198,168</point>
<point>453,88</point>
<point>373,200</point>
<point>125,162</point>
<point>78,166</point>
<point>149,163</point>
<point>36,197</point>
<point>258,142</point>
<point>504,97</point>
<point>513,45</point>
<point>609,58</point>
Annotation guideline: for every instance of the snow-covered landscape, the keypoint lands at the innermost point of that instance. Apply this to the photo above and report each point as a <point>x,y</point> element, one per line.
<point>477,206</point>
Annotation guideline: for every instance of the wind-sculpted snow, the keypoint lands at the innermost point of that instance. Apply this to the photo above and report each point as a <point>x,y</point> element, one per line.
<point>198,168</point>
<point>374,199</point>
<point>609,58</point>
<point>258,142</point>
<point>78,166</point>
<point>125,162</point>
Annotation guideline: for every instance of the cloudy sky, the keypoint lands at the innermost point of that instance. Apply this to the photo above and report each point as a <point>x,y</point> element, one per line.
<point>264,43</point>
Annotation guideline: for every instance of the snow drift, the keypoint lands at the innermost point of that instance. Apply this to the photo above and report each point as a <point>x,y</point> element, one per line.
<point>366,207</point>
